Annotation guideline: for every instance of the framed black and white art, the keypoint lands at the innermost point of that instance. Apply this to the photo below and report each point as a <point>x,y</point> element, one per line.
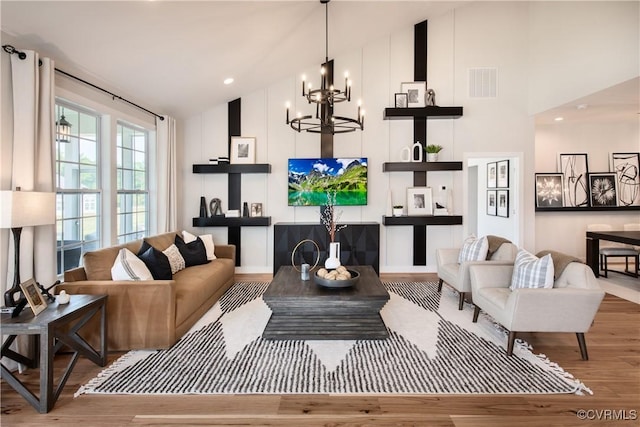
<point>401,100</point>
<point>602,189</point>
<point>626,166</point>
<point>416,93</point>
<point>575,188</point>
<point>502,208</point>
<point>419,201</point>
<point>549,190</point>
<point>502,179</point>
<point>492,175</point>
<point>243,150</point>
<point>491,203</point>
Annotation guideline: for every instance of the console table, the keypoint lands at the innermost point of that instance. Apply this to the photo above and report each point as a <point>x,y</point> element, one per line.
<point>57,326</point>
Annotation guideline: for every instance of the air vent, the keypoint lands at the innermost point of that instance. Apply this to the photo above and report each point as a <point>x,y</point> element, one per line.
<point>482,82</point>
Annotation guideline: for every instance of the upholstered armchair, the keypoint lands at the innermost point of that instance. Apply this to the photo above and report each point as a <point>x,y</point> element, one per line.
<point>456,274</point>
<point>569,306</point>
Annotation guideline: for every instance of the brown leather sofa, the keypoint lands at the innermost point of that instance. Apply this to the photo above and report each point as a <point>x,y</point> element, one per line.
<point>150,314</point>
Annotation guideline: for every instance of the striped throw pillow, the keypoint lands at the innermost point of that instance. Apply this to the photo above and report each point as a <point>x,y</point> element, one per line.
<point>529,271</point>
<point>128,266</point>
<point>474,249</point>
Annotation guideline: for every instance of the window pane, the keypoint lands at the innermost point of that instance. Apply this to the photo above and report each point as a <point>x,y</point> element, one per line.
<point>71,205</point>
<point>88,127</point>
<point>139,160</point>
<point>90,204</point>
<point>69,150</point>
<point>127,180</point>
<point>89,228</point>
<point>127,137</point>
<point>127,158</point>
<point>88,152</point>
<point>71,230</point>
<point>88,177</point>
<point>140,183</point>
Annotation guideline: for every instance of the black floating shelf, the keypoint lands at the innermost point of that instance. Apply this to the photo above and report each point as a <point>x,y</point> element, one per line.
<point>428,112</point>
<point>221,221</point>
<point>421,166</point>
<point>422,220</point>
<point>591,209</point>
<point>229,168</point>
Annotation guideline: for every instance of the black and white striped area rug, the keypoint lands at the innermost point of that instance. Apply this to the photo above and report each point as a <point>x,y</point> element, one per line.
<point>432,348</point>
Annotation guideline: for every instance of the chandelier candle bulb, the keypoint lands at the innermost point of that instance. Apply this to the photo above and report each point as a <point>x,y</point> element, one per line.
<point>303,79</point>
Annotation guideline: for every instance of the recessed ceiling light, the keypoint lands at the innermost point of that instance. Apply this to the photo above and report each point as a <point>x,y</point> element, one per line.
<point>228,80</point>
<point>559,119</point>
<point>582,107</point>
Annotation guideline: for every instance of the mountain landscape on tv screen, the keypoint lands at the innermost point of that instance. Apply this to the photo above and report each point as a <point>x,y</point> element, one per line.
<point>310,180</point>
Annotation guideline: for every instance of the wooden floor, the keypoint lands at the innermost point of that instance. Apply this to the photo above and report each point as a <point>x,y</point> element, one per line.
<point>613,373</point>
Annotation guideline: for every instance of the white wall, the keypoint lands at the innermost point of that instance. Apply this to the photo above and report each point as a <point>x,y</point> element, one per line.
<point>516,38</point>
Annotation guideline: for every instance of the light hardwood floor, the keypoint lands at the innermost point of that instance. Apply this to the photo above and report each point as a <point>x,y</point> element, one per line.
<point>613,373</point>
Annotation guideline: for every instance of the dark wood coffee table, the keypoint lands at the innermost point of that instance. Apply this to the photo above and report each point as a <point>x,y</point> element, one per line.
<point>303,310</point>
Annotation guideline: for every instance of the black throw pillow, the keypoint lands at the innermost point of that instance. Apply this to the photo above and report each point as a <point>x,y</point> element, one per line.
<point>156,261</point>
<point>194,253</point>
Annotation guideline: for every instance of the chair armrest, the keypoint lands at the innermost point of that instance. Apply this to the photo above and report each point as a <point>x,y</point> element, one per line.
<point>490,275</point>
<point>446,256</point>
<point>226,251</point>
<point>465,270</point>
<point>75,275</point>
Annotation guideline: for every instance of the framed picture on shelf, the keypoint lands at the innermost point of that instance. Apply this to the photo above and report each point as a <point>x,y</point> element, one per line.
<point>491,203</point>
<point>243,150</point>
<point>502,168</point>
<point>575,168</point>
<point>34,297</point>
<point>549,190</point>
<point>503,203</point>
<point>602,189</point>
<point>419,201</point>
<point>626,166</point>
<point>256,209</point>
<point>416,93</point>
<point>401,100</point>
<point>492,175</point>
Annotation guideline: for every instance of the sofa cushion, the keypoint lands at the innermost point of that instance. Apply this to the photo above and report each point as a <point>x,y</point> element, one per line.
<point>474,249</point>
<point>529,271</point>
<point>207,239</point>
<point>194,253</point>
<point>97,264</point>
<point>176,261</point>
<point>128,266</point>
<point>157,262</point>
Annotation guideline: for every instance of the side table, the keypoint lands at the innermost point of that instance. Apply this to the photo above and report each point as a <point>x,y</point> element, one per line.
<point>57,326</point>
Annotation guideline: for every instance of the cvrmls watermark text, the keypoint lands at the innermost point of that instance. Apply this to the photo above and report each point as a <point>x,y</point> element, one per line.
<point>607,414</point>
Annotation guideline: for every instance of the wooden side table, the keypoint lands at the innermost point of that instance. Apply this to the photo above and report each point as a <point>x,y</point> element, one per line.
<point>57,326</point>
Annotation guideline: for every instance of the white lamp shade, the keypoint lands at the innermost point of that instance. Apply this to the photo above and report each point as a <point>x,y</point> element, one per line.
<point>26,208</point>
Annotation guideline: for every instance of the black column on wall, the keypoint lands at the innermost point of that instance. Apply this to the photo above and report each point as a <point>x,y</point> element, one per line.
<point>234,179</point>
<point>420,135</point>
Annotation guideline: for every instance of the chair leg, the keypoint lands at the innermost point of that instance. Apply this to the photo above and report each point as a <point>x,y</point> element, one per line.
<point>606,266</point>
<point>583,345</point>
<point>512,340</point>
<point>440,285</point>
<point>476,312</point>
<point>461,300</point>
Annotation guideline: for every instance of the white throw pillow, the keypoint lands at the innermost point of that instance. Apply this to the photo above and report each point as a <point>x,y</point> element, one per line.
<point>176,261</point>
<point>529,271</point>
<point>129,267</point>
<point>474,249</point>
<point>207,239</point>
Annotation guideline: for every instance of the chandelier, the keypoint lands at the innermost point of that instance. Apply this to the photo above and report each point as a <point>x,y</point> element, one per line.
<point>325,98</point>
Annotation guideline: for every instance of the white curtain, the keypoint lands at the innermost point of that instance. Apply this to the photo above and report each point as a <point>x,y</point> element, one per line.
<point>167,206</point>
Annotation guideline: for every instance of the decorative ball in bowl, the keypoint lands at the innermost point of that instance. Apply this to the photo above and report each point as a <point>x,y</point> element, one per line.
<point>341,277</point>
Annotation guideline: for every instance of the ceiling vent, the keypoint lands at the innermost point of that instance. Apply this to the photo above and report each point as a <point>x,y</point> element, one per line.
<point>482,82</point>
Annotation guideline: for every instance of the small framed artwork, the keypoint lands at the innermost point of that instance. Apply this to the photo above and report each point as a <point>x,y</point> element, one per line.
<point>416,93</point>
<point>549,190</point>
<point>256,209</point>
<point>503,174</point>
<point>491,203</point>
<point>419,201</point>
<point>401,100</point>
<point>626,166</point>
<point>603,190</point>
<point>33,295</point>
<point>503,203</point>
<point>575,168</point>
<point>243,150</point>
<point>492,175</point>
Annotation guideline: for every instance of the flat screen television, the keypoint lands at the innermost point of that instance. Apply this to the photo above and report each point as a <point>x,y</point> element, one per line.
<point>310,180</point>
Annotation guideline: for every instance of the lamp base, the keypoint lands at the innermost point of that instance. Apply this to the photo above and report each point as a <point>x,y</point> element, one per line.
<point>19,307</point>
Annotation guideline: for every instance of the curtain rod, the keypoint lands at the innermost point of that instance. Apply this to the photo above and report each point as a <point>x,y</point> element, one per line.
<point>11,50</point>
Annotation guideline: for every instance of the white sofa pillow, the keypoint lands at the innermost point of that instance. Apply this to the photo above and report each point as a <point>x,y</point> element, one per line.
<point>529,271</point>
<point>474,249</point>
<point>129,267</point>
<point>176,261</point>
<point>207,239</point>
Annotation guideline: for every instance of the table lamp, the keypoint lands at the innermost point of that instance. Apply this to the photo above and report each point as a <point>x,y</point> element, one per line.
<point>23,209</point>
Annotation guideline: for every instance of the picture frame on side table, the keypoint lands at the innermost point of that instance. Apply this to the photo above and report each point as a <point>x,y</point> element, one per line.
<point>626,166</point>
<point>492,203</point>
<point>416,93</point>
<point>575,168</point>
<point>34,297</point>
<point>492,175</point>
<point>502,180</point>
<point>401,100</point>
<point>243,150</point>
<point>603,191</point>
<point>256,209</point>
<point>549,192</point>
<point>503,203</point>
<point>419,201</point>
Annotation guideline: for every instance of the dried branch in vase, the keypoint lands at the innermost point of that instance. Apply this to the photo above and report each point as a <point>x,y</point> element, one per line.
<point>330,218</point>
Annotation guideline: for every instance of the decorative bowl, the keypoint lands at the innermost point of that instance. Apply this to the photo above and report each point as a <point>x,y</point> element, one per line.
<point>337,283</point>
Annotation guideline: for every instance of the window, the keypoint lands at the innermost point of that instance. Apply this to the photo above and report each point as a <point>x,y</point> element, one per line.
<point>78,220</point>
<point>133,193</point>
